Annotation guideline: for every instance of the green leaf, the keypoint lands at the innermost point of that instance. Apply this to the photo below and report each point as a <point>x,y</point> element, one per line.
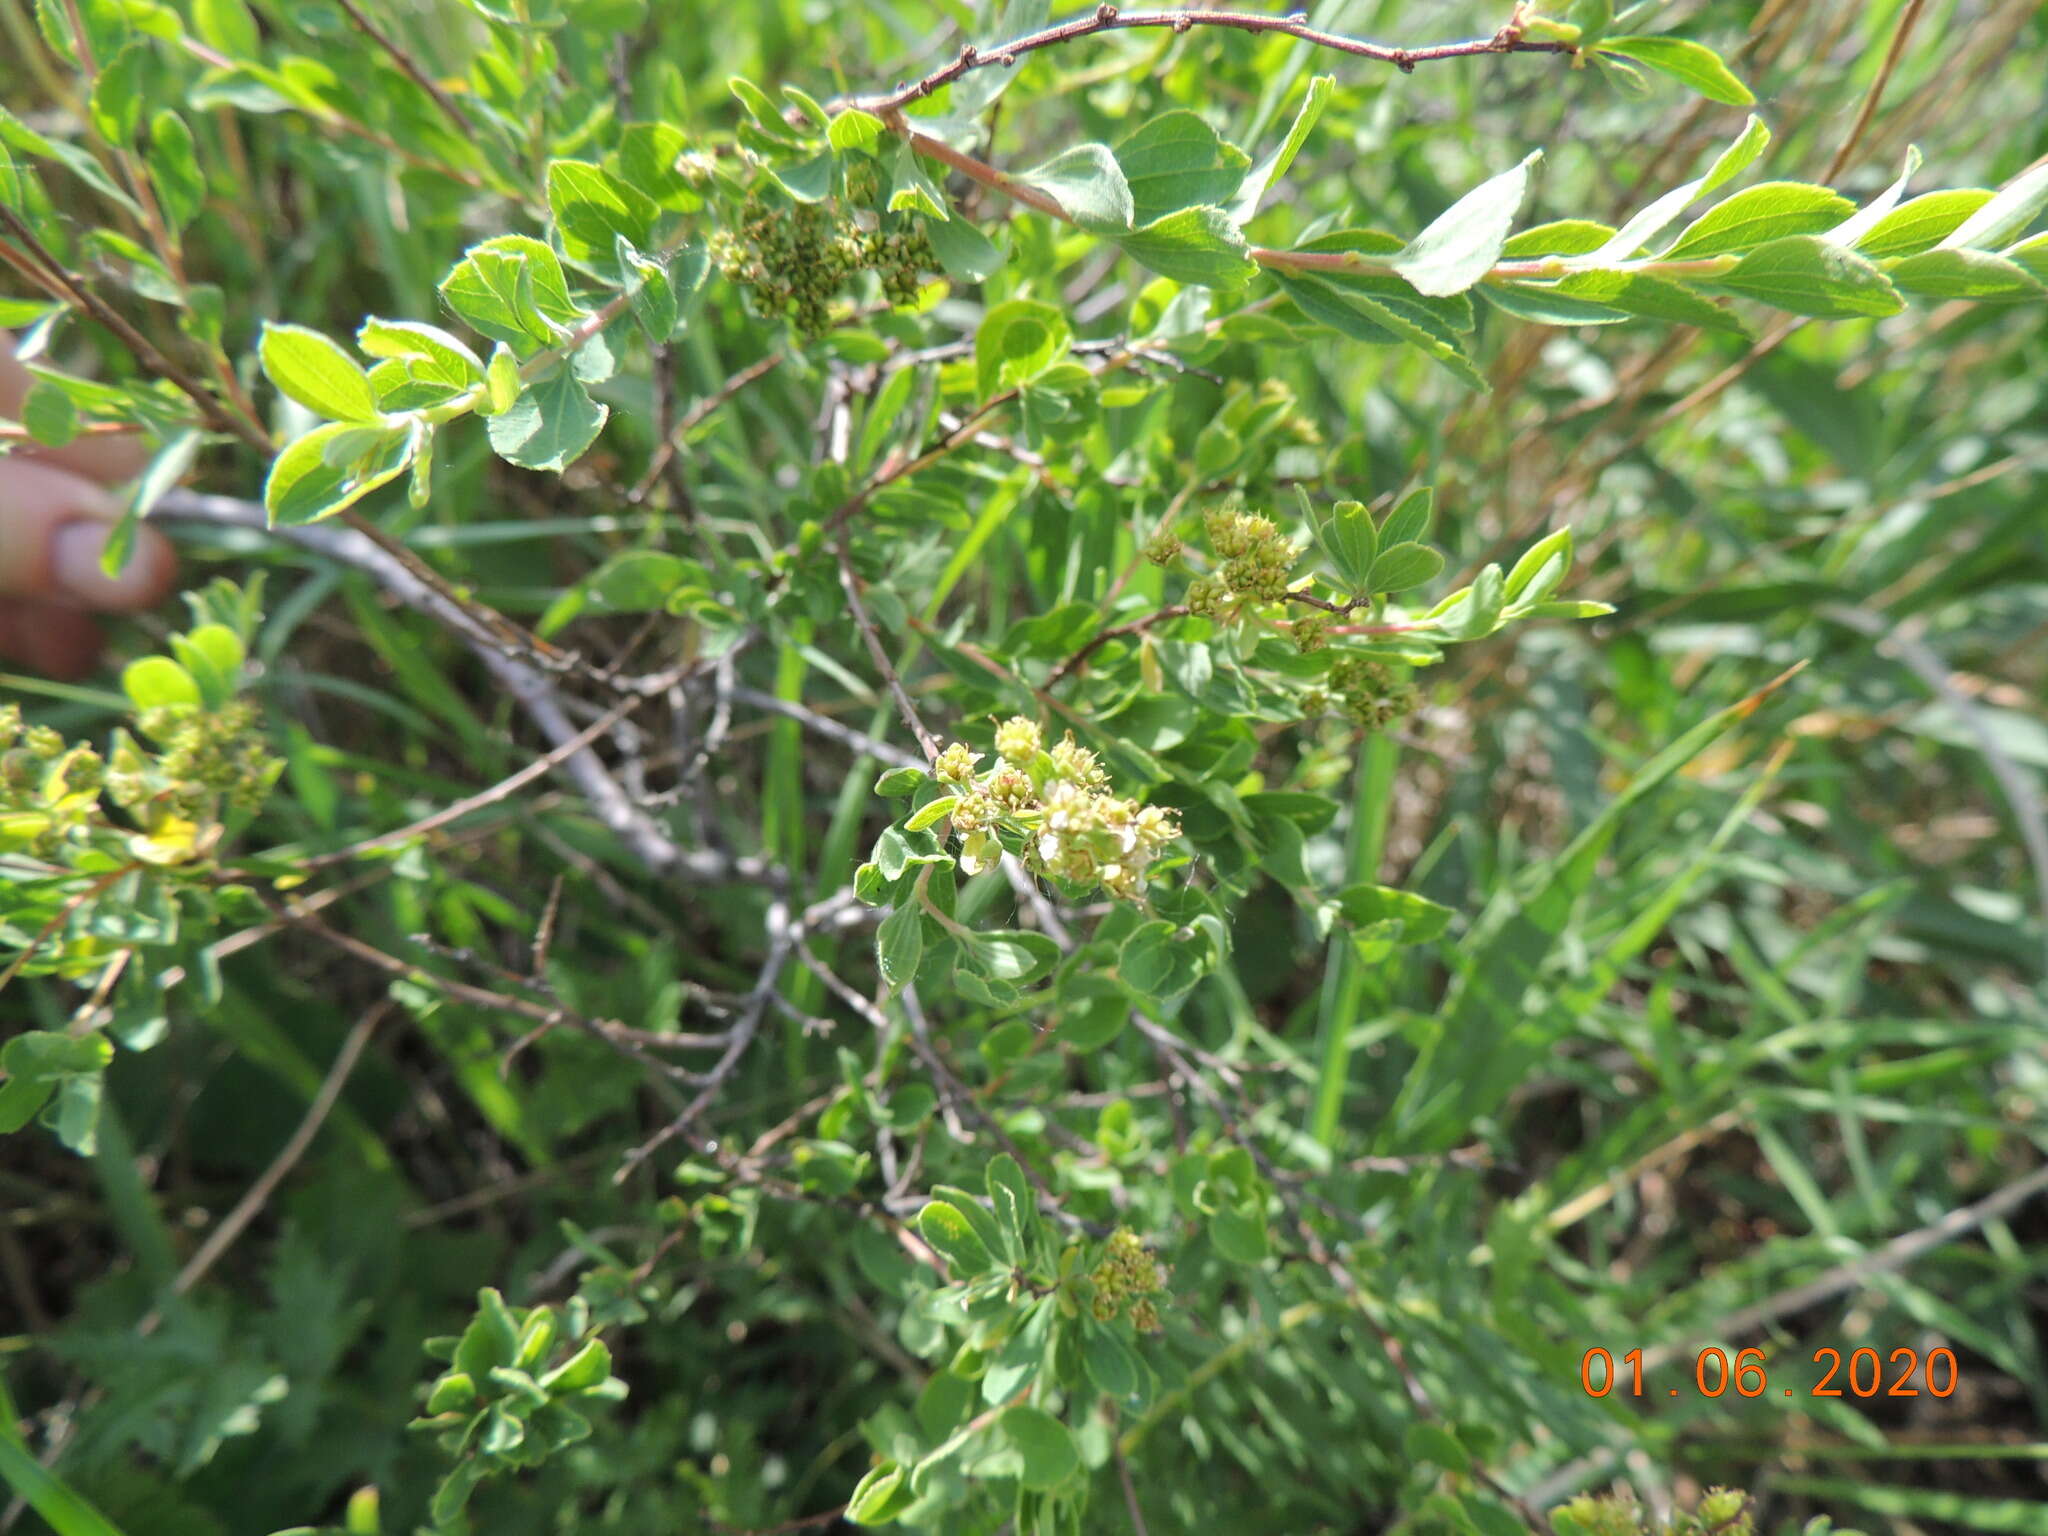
<point>1410,518</point>
<point>898,782</point>
<point>1653,298</point>
<point>1542,304</point>
<point>880,1496</point>
<point>1768,211</point>
<point>931,814</point>
<point>511,289</point>
<point>761,108</point>
<point>963,251</point>
<point>1463,243</point>
<point>1421,919</point>
<point>645,160</point>
<point>1240,1236</point>
<point>228,26</point>
<point>2006,215</point>
<point>1044,1444</point>
<point>1403,566</point>
<point>48,1495</point>
<point>2032,256</point>
<point>435,354</point>
<point>1737,157</point>
<point>810,181</point>
<point>1017,341</point>
<point>1921,224</point>
<point>638,580</point>
<point>47,412</point>
<point>501,382</point>
<point>1430,1443</point>
<point>1017,957</point>
<point>116,105</point>
<point>1852,229</point>
<point>1175,161</point>
<point>1010,1197</point>
<point>1088,183</point>
<point>899,945</point>
<point>1269,170</point>
<point>1536,575</point>
<point>316,372</point>
<point>1807,276</point>
<point>1112,1365</point>
<point>333,467</point>
<point>910,189</point>
<point>1687,62</point>
<point>551,423</point>
<point>157,682</point>
<point>953,1239</point>
<point>649,290</point>
<point>854,129</point>
<point>1948,273</point>
<point>1367,319</point>
<point>1348,539</point>
<point>1560,237</point>
<point>174,169</point>
<point>594,210</point>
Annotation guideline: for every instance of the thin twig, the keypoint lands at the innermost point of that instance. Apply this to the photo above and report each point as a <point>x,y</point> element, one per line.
<point>406,62</point>
<point>850,584</point>
<point>1107,18</point>
<point>258,1194</point>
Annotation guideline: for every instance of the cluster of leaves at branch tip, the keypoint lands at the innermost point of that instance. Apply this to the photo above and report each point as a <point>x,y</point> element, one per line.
<point>514,1393</point>
<point>1056,806</point>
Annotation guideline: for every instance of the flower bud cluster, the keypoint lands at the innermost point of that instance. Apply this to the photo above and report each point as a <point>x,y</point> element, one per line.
<point>1128,1275</point>
<point>208,764</point>
<point>1256,561</point>
<point>206,759</point>
<point>796,258</point>
<point>1364,692</point>
<point>1297,425</point>
<point>1057,805</point>
<point>1163,549</point>
<point>49,789</point>
<point>1720,1512</point>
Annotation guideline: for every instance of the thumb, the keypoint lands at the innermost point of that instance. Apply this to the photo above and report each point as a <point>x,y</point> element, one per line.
<point>53,531</point>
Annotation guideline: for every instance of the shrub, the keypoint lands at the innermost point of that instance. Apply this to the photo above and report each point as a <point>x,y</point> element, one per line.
<point>852,760</point>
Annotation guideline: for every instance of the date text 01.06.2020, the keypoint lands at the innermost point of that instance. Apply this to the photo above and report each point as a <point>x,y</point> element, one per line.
<point>1861,1374</point>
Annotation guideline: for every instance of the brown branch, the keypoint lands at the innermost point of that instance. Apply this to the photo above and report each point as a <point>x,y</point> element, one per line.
<point>49,274</point>
<point>1908,19</point>
<point>672,441</point>
<point>1108,18</point>
<point>406,62</point>
<point>1115,632</point>
<point>850,584</point>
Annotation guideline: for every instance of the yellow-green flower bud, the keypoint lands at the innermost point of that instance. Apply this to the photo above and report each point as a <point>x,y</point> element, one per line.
<point>1017,741</point>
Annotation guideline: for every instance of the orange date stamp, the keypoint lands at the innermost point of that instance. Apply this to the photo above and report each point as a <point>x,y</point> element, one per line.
<point>1861,1373</point>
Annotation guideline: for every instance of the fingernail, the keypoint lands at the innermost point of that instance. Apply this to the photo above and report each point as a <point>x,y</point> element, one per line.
<point>75,554</point>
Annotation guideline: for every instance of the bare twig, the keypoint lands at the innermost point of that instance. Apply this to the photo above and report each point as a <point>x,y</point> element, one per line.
<point>258,1194</point>
<point>410,65</point>
<point>1108,18</point>
<point>534,690</point>
<point>850,584</point>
